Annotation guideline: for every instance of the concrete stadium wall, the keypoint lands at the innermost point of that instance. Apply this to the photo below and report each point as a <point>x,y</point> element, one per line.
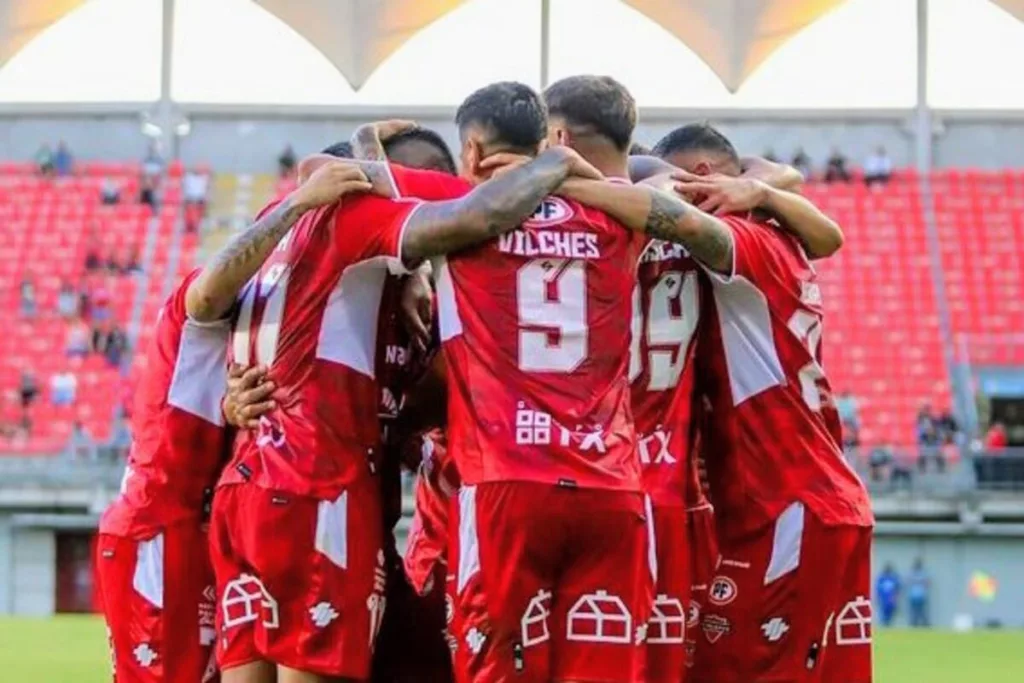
<point>950,560</point>
<point>33,579</point>
<point>245,140</point>
<point>6,566</point>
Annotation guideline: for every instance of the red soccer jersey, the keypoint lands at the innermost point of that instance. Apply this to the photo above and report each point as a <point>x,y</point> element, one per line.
<point>535,326</point>
<point>773,435</point>
<point>312,315</point>
<point>666,311</point>
<point>178,428</point>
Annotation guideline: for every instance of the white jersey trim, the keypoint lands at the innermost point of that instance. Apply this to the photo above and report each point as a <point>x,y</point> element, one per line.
<point>786,543</point>
<point>200,372</point>
<point>469,544</point>
<point>148,578</point>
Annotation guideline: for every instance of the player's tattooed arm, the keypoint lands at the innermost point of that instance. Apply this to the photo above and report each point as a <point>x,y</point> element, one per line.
<point>212,294</point>
<point>492,208</point>
<point>660,214</point>
<point>368,139</point>
<point>820,235</point>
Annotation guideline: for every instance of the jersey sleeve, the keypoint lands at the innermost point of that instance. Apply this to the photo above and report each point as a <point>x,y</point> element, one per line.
<point>428,185</point>
<point>371,227</point>
<point>752,246</point>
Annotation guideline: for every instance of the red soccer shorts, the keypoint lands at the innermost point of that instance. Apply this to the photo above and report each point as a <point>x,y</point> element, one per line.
<point>790,603</point>
<point>666,630</point>
<point>703,562</point>
<point>158,600</point>
<point>301,581</point>
<point>549,583</point>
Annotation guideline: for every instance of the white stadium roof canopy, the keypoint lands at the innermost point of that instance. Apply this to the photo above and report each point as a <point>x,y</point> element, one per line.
<point>359,38</point>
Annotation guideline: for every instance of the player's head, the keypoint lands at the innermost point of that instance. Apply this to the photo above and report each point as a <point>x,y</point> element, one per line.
<point>585,110</point>
<point>421,148</point>
<point>699,148</point>
<point>639,150</point>
<point>501,117</point>
<point>342,150</point>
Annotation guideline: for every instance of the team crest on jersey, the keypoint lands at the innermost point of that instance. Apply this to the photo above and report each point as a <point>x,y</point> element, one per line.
<point>722,591</point>
<point>552,211</point>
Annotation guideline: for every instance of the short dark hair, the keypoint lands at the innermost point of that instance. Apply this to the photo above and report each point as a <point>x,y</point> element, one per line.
<point>513,112</point>
<point>426,136</point>
<point>696,137</point>
<point>598,103</point>
<point>639,150</point>
<point>342,150</point>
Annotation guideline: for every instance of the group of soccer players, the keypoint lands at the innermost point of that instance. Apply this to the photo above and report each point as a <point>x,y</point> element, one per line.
<point>580,350</point>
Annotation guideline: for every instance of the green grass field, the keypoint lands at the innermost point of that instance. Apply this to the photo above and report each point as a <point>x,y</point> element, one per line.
<point>74,650</point>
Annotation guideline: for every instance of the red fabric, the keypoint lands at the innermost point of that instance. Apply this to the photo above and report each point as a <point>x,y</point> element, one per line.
<point>311,314</point>
<point>812,623</point>
<point>534,562</point>
<point>666,631</point>
<point>149,643</point>
<point>774,434</point>
<point>176,452</point>
<point>282,598</point>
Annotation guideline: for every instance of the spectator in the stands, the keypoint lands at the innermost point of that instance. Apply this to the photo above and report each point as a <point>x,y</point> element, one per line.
<point>835,168</point>
<point>77,342</point>
<point>147,191</point>
<point>918,590</point>
<point>28,389</point>
<point>929,439</point>
<point>112,263</point>
<point>995,437</point>
<point>99,304</point>
<point>802,163</point>
<point>81,445</point>
<point>116,344</point>
<point>286,162</point>
<point>120,438</point>
<point>887,591</point>
<point>133,263</point>
<point>153,162</point>
<point>44,160</point>
<point>28,298</point>
<point>63,387</point>
<point>879,461</point>
<point>878,167</point>
<point>110,191</point>
<point>195,186</point>
<point>63,162</point>
<point>949,429</point>
<point>67,300</point>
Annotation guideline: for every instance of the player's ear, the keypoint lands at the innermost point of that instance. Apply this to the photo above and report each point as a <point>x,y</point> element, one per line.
<point>703,168</point>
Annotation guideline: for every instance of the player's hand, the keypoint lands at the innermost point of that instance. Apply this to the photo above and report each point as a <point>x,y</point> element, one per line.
<point>392,127</point>
<point>248,396</point>
<point>417,308</point>
<point>329,183</point>
<point>720,194</point>
<point>503,162</point>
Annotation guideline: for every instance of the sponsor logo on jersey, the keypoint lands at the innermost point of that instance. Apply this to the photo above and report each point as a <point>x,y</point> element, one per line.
<point>653,448</point>
<point>693,615</point>
<point>774,629</point>
<point>396,355</point>
<point>852,623</point>
<point>144,655</point>
<point>555,243</point>
<point>668,621</point>
<point>246,599</point>
<point>715,626</point>
<point>600,617</point>
<point>322,614</point>
<point>536,428</point>
<point>475,640</point>
<point>552,211</point>
<point>534,622</point>
<point>722,591</point>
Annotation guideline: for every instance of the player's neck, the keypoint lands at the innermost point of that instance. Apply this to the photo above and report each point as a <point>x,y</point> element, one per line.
<point>606,159</point>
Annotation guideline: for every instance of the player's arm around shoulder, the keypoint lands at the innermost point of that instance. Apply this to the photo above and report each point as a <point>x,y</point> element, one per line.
<point>651,208</point>
<point>212,294</point>
<point>491,208</point>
